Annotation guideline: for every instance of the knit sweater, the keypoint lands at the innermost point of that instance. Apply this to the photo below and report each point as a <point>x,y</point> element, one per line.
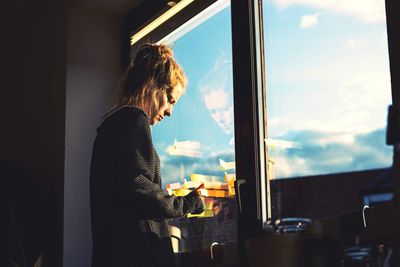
<point>126,194</point>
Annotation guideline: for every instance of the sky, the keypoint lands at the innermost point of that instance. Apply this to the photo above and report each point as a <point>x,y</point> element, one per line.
<point>328,85</point>
<point>328,88</point>
<point>201,130</point>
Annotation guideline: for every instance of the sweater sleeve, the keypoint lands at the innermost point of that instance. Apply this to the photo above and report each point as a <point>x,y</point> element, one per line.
<point>135,170</point>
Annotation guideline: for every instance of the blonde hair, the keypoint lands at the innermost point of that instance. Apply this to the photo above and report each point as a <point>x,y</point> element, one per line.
<point>149,76</point>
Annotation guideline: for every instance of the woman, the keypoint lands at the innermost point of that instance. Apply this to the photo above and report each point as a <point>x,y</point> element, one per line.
<point>128,206</point>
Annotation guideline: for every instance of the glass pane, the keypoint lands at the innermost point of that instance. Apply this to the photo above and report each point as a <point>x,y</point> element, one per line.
<point>197,142</point>
<point>328,89</point>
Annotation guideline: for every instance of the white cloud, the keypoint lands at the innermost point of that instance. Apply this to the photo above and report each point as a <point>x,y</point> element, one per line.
<point>185,148</point>
<point>355,43</point>
<point>308,21</point>
<point>333,123</point>
<point>337,138</point>
<point>368,11</point>
<point>353,107</point>
<point>366,151</point>
<point>232,141</point>
<point>282,144</point>
<point>287,167</point>
<point>365,96</point>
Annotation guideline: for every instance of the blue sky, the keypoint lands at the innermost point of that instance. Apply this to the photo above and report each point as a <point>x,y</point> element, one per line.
<point>202,123</point>
<point>328,89</point>
<point>328,85</point>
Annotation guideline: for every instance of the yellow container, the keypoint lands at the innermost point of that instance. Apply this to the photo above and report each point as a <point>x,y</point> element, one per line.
<point>181,192</point>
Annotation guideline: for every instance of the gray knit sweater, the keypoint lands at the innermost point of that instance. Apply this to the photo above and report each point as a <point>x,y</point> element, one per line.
<point>126,195</point>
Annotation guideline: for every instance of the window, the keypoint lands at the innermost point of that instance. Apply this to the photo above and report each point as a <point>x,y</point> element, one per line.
<point>198,140</point>
<point>328,89</point>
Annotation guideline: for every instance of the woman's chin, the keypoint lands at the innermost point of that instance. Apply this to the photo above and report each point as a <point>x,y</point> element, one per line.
<point>153,121</point>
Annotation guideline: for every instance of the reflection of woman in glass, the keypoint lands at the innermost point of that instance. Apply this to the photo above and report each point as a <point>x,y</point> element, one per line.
<point>128,206</point>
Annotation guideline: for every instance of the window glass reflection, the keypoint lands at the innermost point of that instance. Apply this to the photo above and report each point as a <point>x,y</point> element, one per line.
<point>328,86</point>
<point>328,90</point>
<point>197,143</point>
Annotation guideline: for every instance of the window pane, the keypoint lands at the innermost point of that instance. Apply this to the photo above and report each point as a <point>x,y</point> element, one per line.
<point>328,89</point>
<point>197,141</point>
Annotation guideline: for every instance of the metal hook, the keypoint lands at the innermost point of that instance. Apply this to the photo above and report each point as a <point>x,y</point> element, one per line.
<point>363,213</point>
<point>211,249</point>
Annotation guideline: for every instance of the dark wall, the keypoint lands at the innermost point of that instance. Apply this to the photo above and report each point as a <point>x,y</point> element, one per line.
<point>93,68</point>
<point>33,113</point>
<point>60,63</point>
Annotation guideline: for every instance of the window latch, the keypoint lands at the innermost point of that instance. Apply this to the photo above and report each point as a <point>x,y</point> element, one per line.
<point>363,214</point>
<point>238,184</point>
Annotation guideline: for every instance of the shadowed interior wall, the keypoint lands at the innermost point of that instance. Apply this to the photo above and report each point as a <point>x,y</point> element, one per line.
<point>93,68</point>
<point>33,114</point>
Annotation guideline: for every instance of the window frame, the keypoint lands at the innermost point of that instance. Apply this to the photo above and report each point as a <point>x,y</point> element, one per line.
<point>392,21</point>
<point>249,114</point>
<point>165,28</point>
<point>379,228</point>
<point>249,107</point>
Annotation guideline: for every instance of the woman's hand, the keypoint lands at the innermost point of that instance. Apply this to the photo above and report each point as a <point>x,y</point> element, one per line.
<point>196,196</point>
<point>198,188</point>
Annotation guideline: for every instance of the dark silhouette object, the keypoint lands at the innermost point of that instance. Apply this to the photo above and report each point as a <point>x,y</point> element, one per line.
<point>21,216</point>
<point>383,183</point>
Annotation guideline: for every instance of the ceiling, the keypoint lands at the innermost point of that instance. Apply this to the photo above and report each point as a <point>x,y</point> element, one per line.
<point>110,6</point>
<point>122,7</point>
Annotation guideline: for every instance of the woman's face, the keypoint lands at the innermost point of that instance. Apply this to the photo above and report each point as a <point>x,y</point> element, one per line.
<point>171,97</point>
